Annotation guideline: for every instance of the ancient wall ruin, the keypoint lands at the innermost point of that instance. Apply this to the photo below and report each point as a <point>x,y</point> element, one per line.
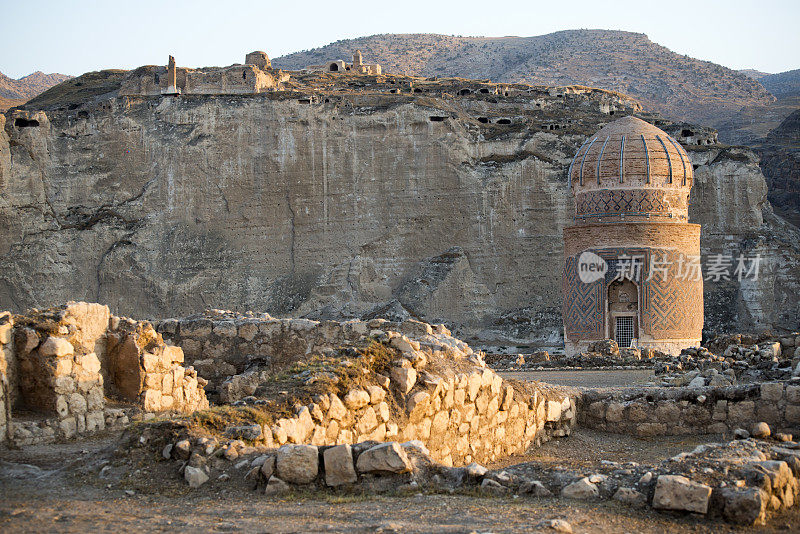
<point>472,415</point>
<point>679,411</point>
<point>66,363</point>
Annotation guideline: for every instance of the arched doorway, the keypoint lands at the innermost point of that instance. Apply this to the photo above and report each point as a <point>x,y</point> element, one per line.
<point>623,312</point>
<point>333,67</point>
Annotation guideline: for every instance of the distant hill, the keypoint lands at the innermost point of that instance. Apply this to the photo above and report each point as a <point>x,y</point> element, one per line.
<point>16,92</point>
<point>780,162</point>
<point>677,86</point>
<point>782,84</point>
<point>754,74</point>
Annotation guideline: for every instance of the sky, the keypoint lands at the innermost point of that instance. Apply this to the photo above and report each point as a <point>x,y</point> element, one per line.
<point>77,36</point>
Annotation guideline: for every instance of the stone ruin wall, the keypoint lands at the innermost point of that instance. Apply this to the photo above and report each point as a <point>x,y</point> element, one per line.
<point>681,411</point>
<point>460,417</point>
<point>66,364</point>
<point>236,79</point>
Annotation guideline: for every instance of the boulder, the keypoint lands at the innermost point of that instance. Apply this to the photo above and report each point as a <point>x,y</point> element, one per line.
<point>581,489</point>
<point>195,476</point>
<point>745,506</point>
<point>297,464</point>
<point>384,458</point>
<point>675,492</point>
<point>760,430</point>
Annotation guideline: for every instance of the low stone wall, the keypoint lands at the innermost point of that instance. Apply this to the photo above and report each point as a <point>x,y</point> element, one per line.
<point>461,410</point>
<point>676,411</point>
<point>474,417</point>
<point>221,344</point>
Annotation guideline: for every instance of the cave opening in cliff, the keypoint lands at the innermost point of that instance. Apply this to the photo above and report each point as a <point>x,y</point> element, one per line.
<point>687,133</point>
<point>437,118</point>
<point>25,123</point>
<point>504,121</point>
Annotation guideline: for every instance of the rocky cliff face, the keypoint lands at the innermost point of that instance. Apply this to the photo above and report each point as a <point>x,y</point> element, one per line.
<point>342,202</point>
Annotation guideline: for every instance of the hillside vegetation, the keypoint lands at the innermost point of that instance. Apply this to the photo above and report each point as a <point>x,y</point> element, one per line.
<point>677,86</point>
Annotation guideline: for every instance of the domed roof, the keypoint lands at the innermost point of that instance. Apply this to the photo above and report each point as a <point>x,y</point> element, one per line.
<point>630,153</point>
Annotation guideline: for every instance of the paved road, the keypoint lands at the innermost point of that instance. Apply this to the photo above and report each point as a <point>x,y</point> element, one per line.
<point>585,379</point>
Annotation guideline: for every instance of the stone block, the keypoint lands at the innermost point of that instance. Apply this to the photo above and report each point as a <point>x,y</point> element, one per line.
<point>417,405</point>
<point>383,412</point>
<point>151,400</point>
<point>297,464</point>
<point>581,489</point>
<point>793,414</point>
<point>63,367</point>
<point>439,423</point>
<point>384,458</point>
<point>473,385</point>
<point>356,398</point>
<point>77,404</point>
<point>339,466</point>
<point>771,391</point>
<point>89,362</point>
<point>674,492</point>
<point>614,412</point>
<point>553,411</point>
<point>68,427</point>
<point>150,362</point>
<point>337,409</point>
<point>768,412</point>
<point>376,394</point>
<point>404,378</point>
<point>793,394</point>
<point>367,421</point>
<point>56,347</point>
<point>741,412</point>
<point>95,421</point>
<point>195,476</point>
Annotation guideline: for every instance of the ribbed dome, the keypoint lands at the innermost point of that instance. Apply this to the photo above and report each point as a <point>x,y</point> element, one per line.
<point>631,168</point>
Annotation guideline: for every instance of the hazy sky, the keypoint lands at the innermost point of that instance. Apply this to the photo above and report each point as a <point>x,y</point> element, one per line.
<point>73,37</point>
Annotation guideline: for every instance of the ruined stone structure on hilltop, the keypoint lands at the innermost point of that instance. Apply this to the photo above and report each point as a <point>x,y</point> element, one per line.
<point>631,260</point>
<point>356,67</point>
<point>255,76</point>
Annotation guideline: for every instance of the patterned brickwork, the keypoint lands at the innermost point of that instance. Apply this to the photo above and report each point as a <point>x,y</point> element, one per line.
<point>670,305</point>
<point>610,202</point>
<point>583,304</point>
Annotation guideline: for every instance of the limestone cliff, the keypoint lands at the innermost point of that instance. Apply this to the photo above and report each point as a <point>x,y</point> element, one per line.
<point>348,196</point>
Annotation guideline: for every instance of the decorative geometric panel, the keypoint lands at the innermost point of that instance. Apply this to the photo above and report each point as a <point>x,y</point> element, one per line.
<point>583,304</point>
<point>607,202</point>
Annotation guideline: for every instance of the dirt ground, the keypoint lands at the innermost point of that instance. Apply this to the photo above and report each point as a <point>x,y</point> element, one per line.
<point>585,378</point>
<point>60,488</point>
<point>42,492</point>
